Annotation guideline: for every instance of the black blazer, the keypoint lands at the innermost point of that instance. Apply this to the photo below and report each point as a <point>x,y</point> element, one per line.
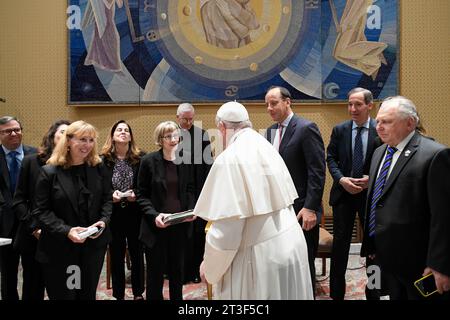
<point>151,192</point>
<point>57,210</point>
<point>340,155</point>
<point>412,215</point>
<point>199,153</point>
<point>8,221</point>
<point>23,203</point>
<point>2,200</point>
<point>303,151</point>
<point>196,148</point>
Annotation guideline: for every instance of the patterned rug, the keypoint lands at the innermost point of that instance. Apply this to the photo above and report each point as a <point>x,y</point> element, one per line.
<point>356,281</point>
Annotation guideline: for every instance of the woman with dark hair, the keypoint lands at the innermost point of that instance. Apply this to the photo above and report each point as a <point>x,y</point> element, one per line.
<point>164,187</point>
<point>28,232</point>
<point>122,158</point>
<point>73,198</point>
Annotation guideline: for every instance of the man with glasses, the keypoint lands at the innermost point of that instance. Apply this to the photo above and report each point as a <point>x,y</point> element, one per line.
<point>12,151</point>
<point>196,149</point>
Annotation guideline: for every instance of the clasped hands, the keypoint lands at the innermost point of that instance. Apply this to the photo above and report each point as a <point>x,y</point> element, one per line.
<point>354,185</point>
<point>117,196</point>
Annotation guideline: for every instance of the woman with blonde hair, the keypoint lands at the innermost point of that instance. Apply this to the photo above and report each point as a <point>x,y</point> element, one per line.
<point>73,193</point>
<point>164,187</point>
<point>122,158</point>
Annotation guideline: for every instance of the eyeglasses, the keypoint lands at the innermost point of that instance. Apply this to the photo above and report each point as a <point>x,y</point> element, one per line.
<point>187,119</point>
<point>170,137</point>
<point>10,131</point>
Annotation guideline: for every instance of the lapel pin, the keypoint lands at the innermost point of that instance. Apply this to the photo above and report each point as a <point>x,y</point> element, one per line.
<point>407,153</point>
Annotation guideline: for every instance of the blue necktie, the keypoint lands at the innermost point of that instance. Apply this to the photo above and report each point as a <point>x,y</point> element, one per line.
<point>378,188</point>
<point>13,171</point>
<point>358,157</point>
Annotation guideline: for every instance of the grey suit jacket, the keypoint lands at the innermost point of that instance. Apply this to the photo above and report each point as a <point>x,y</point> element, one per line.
<point>412,215</point>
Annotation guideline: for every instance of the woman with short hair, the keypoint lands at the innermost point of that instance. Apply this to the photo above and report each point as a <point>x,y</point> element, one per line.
<point>164,187</point>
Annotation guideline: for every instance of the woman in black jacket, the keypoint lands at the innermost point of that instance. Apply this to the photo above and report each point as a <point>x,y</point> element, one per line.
<point>164,187</point>
<point>73,192</point>
<point>122,159</point>
<point>28,232</point>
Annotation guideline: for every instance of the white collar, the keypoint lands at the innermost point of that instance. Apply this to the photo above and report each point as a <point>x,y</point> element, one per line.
<point>405,141</point>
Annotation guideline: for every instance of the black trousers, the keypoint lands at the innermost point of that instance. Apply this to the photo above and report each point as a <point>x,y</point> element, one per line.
<point>195,248</point>
<point>60,277</point>
<point>33,278</point>
<point>312,241</point>
<point>343,220</point>
<point>170,247</point>
<point>125,232</point>
<point>9,268</point>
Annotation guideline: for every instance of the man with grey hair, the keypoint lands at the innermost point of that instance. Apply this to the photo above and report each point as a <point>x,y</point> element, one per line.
<point>195,148</point>
<point>12,151</point>
<point>407,220</point>
<point>255,248</point>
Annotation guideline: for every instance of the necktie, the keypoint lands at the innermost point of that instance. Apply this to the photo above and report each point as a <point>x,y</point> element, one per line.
<point>358,157</point>
<point>280,134</point>
<point>13,171</point>
<point>278,137</point>
<point>378,188</point>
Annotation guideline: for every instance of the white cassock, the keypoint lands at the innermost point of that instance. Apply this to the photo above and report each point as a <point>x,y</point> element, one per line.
<point>255,248</point>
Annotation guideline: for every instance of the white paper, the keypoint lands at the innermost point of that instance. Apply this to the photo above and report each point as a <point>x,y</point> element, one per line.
<point>86,233</point>
<point>125,194</point>
<point>5,241</point>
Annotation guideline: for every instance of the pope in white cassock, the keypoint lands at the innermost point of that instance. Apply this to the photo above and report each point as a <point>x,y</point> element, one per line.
<point>255,248</point>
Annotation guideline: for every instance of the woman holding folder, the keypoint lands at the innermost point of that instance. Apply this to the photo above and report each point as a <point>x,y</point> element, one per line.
<point>164,187</point>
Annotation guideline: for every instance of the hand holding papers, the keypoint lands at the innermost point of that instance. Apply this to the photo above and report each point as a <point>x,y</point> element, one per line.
<point>5,241</point>
<point>178,217</point>
<point>125,194</point>
<point>90,232</point>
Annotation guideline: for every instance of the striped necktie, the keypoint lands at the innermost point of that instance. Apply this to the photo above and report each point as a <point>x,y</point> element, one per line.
<point>378,188</point>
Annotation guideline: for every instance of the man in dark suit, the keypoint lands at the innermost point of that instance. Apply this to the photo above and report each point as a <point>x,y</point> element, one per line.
<point>11,154</point>
<point>349,153</point>
<point>196,149</point>
<point>407,220</point>
<point>301,146</point>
